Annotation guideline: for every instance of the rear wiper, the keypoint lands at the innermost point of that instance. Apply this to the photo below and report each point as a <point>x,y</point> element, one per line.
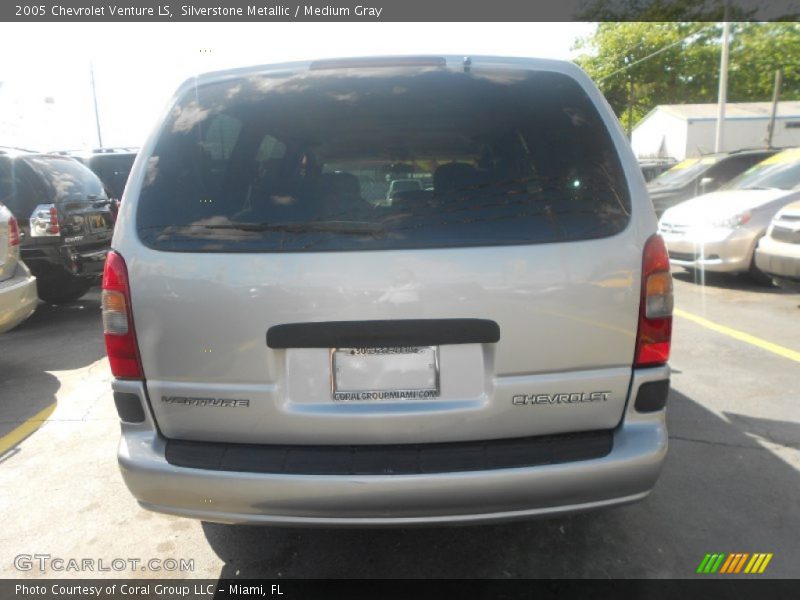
<point>345,227</point>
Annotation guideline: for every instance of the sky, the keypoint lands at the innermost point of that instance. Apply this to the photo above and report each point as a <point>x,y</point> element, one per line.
<point>45,75</point>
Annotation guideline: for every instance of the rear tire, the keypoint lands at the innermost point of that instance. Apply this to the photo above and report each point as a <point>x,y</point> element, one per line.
<point>62,288</point>
<point>757,275</point>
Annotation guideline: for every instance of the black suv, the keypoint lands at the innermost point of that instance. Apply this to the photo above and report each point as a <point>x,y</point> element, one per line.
<point>695,176</point>
<point>64,218</point>
<point>111,165</point>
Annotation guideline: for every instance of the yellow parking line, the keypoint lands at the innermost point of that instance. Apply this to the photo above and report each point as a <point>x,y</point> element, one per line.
<point>741,336</point>
<point>13,438</point>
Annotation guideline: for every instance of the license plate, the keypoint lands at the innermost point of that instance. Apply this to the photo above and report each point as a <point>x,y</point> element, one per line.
<point>97,222</point>
<point>396,373</point>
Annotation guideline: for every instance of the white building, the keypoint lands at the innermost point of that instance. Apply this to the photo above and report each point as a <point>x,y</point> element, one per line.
<point>686,130</point>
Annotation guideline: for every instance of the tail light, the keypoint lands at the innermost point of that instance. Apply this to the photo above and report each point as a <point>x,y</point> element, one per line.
<point>120,336</point>
<point>44,221</point>
<point>13,232</point>
<point>655,310</point>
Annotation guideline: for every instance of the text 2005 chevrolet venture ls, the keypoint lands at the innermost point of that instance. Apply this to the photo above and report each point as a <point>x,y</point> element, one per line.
<point>289,348</point>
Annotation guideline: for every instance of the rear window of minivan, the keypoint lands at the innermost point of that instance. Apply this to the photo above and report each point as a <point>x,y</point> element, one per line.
<point>304,162</point>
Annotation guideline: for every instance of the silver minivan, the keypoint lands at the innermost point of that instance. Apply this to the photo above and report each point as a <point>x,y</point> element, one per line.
<point>287,349</point>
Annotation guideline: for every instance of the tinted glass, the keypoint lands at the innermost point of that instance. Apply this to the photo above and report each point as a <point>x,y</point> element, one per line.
<point>781,171</point>
<point>684,172</point>
<point>306,162</point>
<point>113,171</point>
<point>66,179</point>
<point>21,190</point>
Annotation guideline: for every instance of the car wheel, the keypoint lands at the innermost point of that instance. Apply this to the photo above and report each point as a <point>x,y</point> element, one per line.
<point>61,289</point>
<point>758,275</point>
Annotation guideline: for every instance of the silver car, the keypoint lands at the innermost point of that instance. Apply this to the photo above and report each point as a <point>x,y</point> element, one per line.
<point>17,286</point>
<point>778,252</point>
<point>719,231</point>
<point>288,351</point>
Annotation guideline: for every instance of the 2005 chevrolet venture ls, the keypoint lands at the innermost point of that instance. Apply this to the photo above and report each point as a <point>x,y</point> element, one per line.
<point>290,347</point>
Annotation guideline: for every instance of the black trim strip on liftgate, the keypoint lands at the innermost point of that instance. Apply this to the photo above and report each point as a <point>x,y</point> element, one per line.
<point>380,334</point>
<point>390,459</point>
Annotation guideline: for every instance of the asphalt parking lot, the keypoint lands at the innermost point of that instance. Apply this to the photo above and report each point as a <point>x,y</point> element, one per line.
<point>731,482</point>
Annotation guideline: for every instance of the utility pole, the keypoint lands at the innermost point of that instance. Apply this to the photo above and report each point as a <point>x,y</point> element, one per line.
<point>723,82</point>
<point>96,112</point>
<point>776,95</point>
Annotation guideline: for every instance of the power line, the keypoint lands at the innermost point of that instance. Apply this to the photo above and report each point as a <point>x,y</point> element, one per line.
<point>656,53</point>
<point>628,51</point>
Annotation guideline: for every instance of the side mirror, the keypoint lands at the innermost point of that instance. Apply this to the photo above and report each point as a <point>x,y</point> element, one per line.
<point>706,184</point>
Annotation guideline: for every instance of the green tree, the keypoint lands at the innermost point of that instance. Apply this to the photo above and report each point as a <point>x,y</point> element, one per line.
<point>640,65</point>
<point>660,10</point>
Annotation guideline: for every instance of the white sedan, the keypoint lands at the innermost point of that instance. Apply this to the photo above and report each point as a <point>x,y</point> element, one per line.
<point>720,231</point>
<point>17,285</point>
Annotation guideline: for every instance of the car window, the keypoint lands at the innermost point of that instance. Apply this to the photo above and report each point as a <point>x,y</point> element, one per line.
<point>781,171</point>
<point>684,172</point>
<point>113,171</point>
<point>21,190</point>
<point>66,178</point>
<point>731,166</point>
<point>305,161</point>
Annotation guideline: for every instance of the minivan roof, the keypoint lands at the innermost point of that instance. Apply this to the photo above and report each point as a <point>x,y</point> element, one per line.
<point>450,61</point>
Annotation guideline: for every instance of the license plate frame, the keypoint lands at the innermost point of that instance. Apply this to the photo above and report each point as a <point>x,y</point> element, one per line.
<point>421,373</point>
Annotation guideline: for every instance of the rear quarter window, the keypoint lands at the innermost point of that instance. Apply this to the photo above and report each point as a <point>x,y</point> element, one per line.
<point>305,162</point>
<point>21,190</point>
<point>66,179</point>
<point>113,171</point>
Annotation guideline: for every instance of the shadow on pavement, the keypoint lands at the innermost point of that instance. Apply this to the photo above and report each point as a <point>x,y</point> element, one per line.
<point>54,338</point>
<point>720,491</point>
<point>741,282</point>
<point>785,433</point>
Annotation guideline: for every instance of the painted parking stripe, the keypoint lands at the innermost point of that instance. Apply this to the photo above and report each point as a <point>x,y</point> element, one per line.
<point>741,336</point>
<point>14,437</point>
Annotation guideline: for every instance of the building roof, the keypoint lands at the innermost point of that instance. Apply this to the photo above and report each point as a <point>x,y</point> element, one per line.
<point>733,110</point>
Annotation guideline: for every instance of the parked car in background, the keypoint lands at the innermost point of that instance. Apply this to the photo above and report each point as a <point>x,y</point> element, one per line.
<point>778,252</point>
<point>653,167</point>
<point>64,220</point>
<point>17,286</point>
<point>111,165</point>
<point>695,176</point>
<point>286,351</point>
<point>720,231</point>
<point>403,185</point>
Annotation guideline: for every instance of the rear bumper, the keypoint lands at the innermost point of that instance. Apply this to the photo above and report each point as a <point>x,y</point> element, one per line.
<point>626,474</point>
<point>82,263</point>
<point>17,298</point>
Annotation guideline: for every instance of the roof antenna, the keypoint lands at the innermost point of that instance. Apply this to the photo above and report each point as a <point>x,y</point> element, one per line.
<point>467,62</point>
